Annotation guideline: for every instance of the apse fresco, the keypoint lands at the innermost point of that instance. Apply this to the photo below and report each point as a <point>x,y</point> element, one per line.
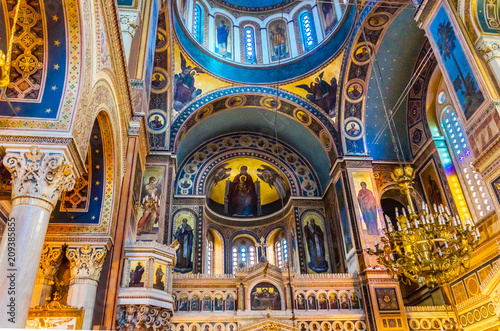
<point>367,203</point>
<point>183,228</point>
<point>148,211</point>
<point>314,233</point>
<point>246,187</point>
<point>455,61</point>
<point>433,189</point>
<point>265,296</point>
<point>223,36</point>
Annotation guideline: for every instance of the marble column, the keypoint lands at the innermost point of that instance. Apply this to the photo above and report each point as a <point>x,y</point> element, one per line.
<point>38,179</point>
<point>241,298</point>
<point>489,46</point>
<point>50,262</point>
<point>86,265</point>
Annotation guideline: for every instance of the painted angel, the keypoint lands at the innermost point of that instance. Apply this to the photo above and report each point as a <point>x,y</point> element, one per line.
<point>273,178</point>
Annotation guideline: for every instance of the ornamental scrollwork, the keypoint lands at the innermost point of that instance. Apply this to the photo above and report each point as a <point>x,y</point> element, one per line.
<point>39,175</point>
<point>86,262</point>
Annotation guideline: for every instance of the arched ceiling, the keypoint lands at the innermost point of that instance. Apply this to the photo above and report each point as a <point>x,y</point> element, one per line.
<point>263,121</point>
<point>394,67</point>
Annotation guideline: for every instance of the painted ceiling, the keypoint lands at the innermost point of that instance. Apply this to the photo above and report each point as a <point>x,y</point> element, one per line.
<point>394,65</point>
<point>254,4</point>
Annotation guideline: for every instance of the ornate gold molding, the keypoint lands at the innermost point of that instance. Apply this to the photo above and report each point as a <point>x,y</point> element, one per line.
<point>86,263</point>
<point>50,262</point>
<point>39,176</point>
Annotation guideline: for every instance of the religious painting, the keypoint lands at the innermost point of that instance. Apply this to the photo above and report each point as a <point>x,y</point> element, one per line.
<point>278,40</point>
<point>362,53</point>
<point>355,91</point>
<point>223,36</point>
<point>328,15</point>
<point>367,203</point>
<point>219,327</point>
<point>337,326</point>
<point>183,226</point>
<point>183,302</point>
<point>195,327</point>
<point>265,296</point>
<point>303,327</point>
<point>485,133</point>
<point>322,93</point>
<point>206,303</point>
<point>184,84</point>
<point>137,273</point>
<point>322,301</point>
<point>218,302</point>
<point>148,211</point>
<point>353,128</point>
<point>157,121</point>
<point>311,301</point>
<point>230,305</point>
<point>231,327</point>
<point>159,81</point>
<point>355,301</point>
<point>431,185</point>
<point>314,235</point>
<point>314,326</point>
<point>300,301</point>
<point>54,323</point>
<point>456,64</point>
<point>159,278</point>
<point>325,326</point>
<point>344,218</point>
<point>246,187</point>
<point>387,299</point>
<point>195,302</point>
<point>344,301</point>
<point>333,301</point>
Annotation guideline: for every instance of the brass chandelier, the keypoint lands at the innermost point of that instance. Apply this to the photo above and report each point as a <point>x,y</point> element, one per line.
<point>429,247</point>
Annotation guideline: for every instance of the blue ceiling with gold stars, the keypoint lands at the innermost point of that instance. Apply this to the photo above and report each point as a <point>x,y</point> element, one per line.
<point>83,204</point>
<point>394,67</point>
<point>39,59</point>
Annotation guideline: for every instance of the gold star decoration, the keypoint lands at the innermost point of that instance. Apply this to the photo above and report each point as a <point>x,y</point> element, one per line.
<point>48,110</point>
<point>56,66</point>
<point>72,217</point>
<point>97,183</point>
<point>95,136</point>
<point>96,198</point>
<point>54,88</point>
<point>57,43</point>
<point>55,18</point>
<point>97,151</point>
<point>93,217</point>
<point>98,167</point>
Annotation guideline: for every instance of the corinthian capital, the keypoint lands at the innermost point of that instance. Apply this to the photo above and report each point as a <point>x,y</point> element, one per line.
<point>50,262</point>
<point>86,262</point>
<point>489,46</point>
<point>39,175</point>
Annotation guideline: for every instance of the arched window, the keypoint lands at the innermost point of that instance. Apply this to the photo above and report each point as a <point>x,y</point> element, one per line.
<point>243,254</point>
<point>462,157</point>
<point>210,257</point>
<point>307,31</point>
<point>250,54</point>
<point>281,252</point>
<point>198,23</point>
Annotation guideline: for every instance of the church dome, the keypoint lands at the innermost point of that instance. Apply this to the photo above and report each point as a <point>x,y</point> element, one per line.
<point>245,41</point>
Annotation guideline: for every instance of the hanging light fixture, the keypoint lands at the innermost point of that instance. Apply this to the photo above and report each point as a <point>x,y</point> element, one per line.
<point>5,58</point>
<point>429,247</point>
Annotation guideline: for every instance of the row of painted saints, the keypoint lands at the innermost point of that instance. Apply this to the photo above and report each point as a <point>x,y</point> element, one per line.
<point>332,302</point>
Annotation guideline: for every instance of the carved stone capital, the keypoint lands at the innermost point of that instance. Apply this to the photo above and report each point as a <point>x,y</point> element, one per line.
<point>86,263</point>
<point>50,262</point>
<point>39,176</point>
<point>489,46</point>
<point>129,22</point>
<point>143,317</point>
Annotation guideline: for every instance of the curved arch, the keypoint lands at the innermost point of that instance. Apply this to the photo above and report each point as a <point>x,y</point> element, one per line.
<point>276,284</point>
<point>354,104</point>
<point>218,250</point>
<point>204,105</point>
